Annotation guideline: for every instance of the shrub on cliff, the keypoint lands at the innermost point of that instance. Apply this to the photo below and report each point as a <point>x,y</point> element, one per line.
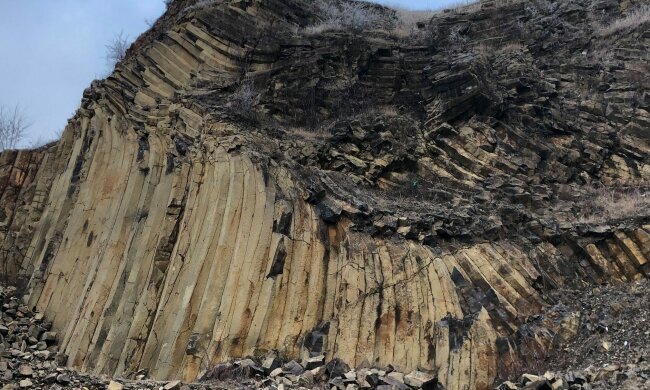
<point>350,16</point>
<point>12,127</point>
<point>412,26</point>
<point>116,49</point>
<point>614,203</point>
<point>627,22</point>
<point>244,100</point>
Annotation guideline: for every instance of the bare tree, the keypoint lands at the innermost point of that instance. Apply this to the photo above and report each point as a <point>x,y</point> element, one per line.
<point>12,127</point>
<point>116,49</point>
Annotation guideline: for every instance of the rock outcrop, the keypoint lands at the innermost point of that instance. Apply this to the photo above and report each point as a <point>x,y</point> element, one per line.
<point>191,213</point>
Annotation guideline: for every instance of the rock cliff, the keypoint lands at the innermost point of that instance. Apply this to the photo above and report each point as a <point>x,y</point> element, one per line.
<point>244,183</point>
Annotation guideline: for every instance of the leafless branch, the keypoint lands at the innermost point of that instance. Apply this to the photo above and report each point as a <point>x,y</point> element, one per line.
<point>116,49</point>
<point>13,126</point>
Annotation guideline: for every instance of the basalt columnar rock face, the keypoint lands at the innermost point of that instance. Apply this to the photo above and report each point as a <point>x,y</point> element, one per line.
<point>177,224</point>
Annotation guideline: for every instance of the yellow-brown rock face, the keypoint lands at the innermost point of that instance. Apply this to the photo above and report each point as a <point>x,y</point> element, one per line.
<point>164,232</point>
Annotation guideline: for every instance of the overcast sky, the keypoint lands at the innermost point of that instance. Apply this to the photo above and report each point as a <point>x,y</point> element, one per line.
<point>50,51</point>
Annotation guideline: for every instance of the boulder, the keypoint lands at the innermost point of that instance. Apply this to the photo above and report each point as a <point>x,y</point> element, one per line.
<point>25,370</point>
<point>271,363</point>
<point>417,378</point>
<point>396,384</point>
<point>292,367</point>
<point>112,385</point>
<point>63,379</point>
<point>336,368</point>
<point>314,362</point>
<point>173,385</point>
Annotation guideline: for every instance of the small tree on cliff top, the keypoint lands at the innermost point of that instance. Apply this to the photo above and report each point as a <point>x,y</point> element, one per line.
<point>13,126</point>
<point>116,49</point>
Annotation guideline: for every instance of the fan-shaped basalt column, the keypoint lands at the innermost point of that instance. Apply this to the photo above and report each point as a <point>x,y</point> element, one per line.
<point>156,236</point>
<point>172,270</point>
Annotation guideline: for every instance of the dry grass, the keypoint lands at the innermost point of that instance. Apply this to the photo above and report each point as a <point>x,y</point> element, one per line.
<point>464,6</point>
<point>244,99</point>
<point>319,133</point>
<point>376,111</point>
<point>200,5</point>
<point>411,25</point>
<point>510,48</point>
<point>485,51</point>
<point>627,22</point>
<point>357,16</point>
<point>323,130</point>
<point>534,7</point>
<point>615,203</point>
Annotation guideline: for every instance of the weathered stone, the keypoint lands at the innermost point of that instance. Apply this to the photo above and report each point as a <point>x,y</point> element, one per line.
<point>25,370</point>
<point>175,385</point>
<point>398,376</point>
<point>43,355</point>
<point>373,379</point>
<point>526,378</point>
<point>558,384</point>
<point>271,363</point>
<point>51,377</point>
<point>336,368</point>
<point>337,382</point>
<point>318,371</point>
<point>417,378</point>
<point>507,385</point>
<point>49,337</point>
<point>314,362</point>
<point>396,384</point>
<point>276,372</point>
<point>292,367</point>
<point>306,379</point>
<point>573,377</point>
<point>35,331</point>
<point>245,363</point>
<point>112,385</point>
<point>63,379</point>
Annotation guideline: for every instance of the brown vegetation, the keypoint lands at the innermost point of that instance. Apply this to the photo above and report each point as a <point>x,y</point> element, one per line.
<point>346,16</point>
<point>627,22</point>
<point>13,126</point>
<point>615,203</point>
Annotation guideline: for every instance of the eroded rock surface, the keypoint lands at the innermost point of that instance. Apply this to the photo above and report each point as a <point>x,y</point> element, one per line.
<point>173,227</point>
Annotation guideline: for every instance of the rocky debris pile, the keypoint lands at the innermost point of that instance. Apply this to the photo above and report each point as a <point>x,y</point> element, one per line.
<point>29,359</point>
<point>270,372</point>
<point>28,352</point>
<point>611,349</point>
<point>615,325</point>
<point>610,376</point>
<point>29,356</point>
